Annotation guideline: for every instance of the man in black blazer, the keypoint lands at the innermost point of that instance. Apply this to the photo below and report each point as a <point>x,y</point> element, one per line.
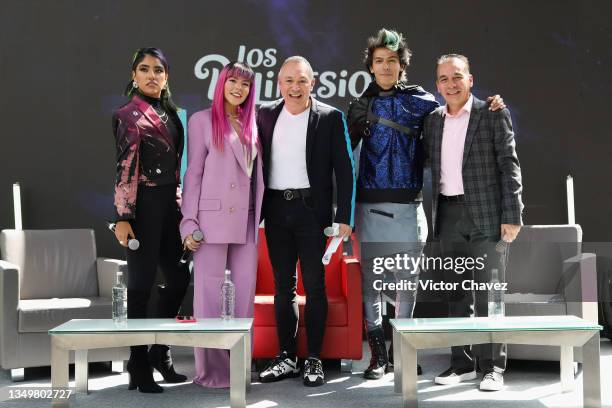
<point>476,197</point>
<point>305,143</point>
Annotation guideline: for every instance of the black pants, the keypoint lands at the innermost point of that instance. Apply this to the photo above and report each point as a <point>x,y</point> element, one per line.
<point>292,232</point>
<point>460,237</point>
<point>157,228</point>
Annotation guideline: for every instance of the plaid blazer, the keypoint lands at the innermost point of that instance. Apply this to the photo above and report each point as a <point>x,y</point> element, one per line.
<point>491,171</point>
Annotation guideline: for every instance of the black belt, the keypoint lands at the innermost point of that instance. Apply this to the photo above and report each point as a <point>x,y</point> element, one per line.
<point>454,199</point>
<point>290,193</point>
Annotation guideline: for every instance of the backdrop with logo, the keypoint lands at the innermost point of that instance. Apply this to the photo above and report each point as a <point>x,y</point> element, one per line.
<point>64,64</point>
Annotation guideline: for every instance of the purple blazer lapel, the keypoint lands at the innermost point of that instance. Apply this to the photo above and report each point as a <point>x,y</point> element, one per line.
<point>148,111</point>
<point>236,145</point>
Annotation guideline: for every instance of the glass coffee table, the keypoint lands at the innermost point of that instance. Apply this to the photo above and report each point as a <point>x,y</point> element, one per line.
<point>81,335</point>
<point>567,332</point>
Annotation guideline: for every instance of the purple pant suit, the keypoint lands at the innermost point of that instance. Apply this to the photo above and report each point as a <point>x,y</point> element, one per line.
<point>221,200</point>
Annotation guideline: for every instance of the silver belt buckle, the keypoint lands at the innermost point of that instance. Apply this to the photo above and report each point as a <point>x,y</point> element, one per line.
<point>288,195</point>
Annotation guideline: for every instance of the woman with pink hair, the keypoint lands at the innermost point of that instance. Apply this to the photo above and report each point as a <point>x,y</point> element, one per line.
<point>222,195</point>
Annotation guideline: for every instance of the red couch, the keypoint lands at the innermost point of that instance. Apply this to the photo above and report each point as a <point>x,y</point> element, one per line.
<point>343,333</point>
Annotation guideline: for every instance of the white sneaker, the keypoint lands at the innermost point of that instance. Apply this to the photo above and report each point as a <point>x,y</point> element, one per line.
<point>455,376</point>
<point>280,368</point>
<point>492,381</point>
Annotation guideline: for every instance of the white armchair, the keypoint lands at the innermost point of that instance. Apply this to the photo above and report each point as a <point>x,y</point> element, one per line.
<point>48,277</point>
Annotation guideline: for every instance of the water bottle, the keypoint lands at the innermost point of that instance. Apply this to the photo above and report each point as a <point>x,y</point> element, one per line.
<point>119,300</point>
<point>228,293</point>
<point>496,296</point>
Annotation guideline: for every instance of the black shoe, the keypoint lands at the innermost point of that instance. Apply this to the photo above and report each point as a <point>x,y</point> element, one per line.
<point>161,360</point>
<point>141,374</point>
<point>455,376</point>
<point>313,372</point>
<point>379,358</point>
<point>280,368</point>
<point>390,364</point>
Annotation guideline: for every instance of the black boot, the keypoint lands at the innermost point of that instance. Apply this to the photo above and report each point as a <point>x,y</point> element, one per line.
<point>379,359</point>
<point>141,374</point>
<point>161,360</point>
<point>390,364</point>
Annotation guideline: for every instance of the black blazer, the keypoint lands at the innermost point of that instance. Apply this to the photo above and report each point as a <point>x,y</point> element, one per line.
<point>328,152</point>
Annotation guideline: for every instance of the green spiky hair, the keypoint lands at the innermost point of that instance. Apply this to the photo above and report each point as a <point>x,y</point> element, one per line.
<point>391,39</point>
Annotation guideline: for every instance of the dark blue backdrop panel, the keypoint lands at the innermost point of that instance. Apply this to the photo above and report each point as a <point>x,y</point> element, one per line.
<point>64,65</point>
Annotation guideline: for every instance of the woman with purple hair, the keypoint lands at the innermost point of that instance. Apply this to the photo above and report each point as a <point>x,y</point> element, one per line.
<point>149,138</point>
<point>223,191</point>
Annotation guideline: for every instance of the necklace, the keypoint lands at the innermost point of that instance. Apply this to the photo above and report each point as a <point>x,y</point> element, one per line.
<point>163,116</point>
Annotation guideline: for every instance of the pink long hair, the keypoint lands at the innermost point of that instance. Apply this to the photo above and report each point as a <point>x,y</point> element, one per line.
<point>246,111</point>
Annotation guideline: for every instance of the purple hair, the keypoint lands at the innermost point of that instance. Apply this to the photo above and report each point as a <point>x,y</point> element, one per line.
<point>246,111</point>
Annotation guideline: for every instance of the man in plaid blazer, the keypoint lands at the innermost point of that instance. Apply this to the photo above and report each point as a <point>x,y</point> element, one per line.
<point>476,194</point>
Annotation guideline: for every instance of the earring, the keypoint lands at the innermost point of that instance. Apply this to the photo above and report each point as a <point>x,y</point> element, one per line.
<point>134,85</point>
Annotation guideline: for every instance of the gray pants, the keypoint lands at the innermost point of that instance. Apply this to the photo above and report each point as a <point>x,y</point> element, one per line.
<point>386,230</point>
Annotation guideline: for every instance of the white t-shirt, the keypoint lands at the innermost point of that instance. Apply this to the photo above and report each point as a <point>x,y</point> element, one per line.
<point>288,160</point>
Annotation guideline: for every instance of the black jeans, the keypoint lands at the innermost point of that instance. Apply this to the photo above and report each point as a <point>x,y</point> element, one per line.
<point>293,232</point>
<point>460,237</point>
<point>156,226</point>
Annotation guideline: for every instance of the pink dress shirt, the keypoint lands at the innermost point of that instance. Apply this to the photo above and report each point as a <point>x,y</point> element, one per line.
<point>453,142</point>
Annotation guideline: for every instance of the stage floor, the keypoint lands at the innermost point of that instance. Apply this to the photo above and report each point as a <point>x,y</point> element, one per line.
<point>529,384</point>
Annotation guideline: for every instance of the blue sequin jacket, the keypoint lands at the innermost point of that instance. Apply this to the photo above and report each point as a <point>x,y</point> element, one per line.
<point>392,157</point>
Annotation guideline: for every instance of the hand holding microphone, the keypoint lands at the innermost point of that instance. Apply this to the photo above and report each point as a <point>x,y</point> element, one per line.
<point>332,231</point>
<point>509,232</point>
<point>339,232</point>
<point>192,243</point>
<point>508,235</point>
<point>123,231</point>
<point>336,229</point>
<point>501,246</point>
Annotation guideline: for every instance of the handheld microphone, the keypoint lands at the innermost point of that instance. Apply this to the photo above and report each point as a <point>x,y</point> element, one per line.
<point>197,237</point>
<point>501,246</point>
<point>333,232</point>
<point>133,243</point>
